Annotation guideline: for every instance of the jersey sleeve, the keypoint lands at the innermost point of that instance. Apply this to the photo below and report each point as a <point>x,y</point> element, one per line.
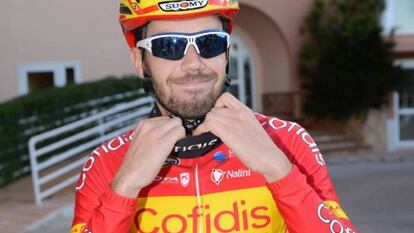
<point>98,208</point>
<point>305,197</point>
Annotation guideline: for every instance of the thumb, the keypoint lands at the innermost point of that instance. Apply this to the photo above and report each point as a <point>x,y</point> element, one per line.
<point>200,129</point>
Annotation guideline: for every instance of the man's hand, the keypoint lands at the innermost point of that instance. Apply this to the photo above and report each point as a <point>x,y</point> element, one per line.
<point>239,129</point>
<point>152,142</point>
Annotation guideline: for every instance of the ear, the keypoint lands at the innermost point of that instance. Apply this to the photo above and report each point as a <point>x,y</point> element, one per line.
<point>136,58</point>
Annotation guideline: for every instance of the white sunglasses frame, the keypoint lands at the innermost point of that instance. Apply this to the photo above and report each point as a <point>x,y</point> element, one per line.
<point>191,39</point>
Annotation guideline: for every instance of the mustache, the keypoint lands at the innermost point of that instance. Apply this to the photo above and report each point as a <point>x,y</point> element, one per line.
<point>188,77</point>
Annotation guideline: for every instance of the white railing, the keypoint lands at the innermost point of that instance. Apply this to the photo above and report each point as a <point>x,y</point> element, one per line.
<point>18,145</point>
<point>95,103</point>
<point>58,152</point>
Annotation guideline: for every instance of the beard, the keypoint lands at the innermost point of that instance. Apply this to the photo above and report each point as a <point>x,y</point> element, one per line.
<point>197,105</point>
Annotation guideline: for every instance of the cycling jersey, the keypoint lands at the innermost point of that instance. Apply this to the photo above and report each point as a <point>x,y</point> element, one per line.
<point>215,192</point>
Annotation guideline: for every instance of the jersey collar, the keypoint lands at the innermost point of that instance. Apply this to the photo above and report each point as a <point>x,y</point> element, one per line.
<point>191,146</point>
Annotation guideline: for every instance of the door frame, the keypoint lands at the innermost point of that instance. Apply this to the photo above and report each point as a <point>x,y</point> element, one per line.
<point>58,68</point>
<point>394,138</point>
<point>242,54</point>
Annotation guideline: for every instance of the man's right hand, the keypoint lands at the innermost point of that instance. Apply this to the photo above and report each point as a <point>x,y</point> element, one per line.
<point>152,142</point>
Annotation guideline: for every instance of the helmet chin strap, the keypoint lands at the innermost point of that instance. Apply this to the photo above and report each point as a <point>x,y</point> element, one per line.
<point>189,125</point>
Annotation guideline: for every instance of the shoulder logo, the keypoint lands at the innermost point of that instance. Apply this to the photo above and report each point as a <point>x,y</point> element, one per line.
<point>219,156</point>
<point>182,5</point>
<point>231,154</point>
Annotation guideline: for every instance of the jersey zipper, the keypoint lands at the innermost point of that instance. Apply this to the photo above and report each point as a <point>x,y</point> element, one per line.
<point>200,206</point>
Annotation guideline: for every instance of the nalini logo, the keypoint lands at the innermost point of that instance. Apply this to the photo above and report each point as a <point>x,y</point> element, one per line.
<point>183,5</point>
<point>217,176</point>
<point>184,179</point>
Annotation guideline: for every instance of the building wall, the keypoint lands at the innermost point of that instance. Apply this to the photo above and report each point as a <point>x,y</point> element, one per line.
<point>404,44</point>
<point>287,19</point>
<point>270,57</point>
<point>87,31</point>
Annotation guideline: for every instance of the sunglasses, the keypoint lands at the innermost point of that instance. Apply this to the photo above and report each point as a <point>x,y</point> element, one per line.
<point>174,46</point>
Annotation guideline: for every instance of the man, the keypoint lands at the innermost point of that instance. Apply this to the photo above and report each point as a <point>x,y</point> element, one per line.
<point>203,161</point>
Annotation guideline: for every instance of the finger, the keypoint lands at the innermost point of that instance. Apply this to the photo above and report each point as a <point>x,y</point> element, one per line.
<point>214,112</point>
<point>236,116</point>
<point>202,128</point>
<point>229,101</point>
<point>171,137</point>
<point>224,101</point>
<point>165,126</point>
<point>225,112</point>
<point>216,123</point>
<point>147,127</point>
<point>175,134</point>
<point>150,123</point>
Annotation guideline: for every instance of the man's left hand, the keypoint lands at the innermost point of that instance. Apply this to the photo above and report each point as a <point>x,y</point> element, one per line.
<point>236,125</point>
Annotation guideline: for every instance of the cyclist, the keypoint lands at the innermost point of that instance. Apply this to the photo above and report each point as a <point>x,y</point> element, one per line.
<point>203,161</point>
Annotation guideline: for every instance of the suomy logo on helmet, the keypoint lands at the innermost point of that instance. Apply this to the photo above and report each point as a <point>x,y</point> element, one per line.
<point>183,5</point>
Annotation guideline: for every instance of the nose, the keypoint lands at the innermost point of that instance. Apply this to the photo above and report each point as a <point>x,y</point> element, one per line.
<point>192,61</point>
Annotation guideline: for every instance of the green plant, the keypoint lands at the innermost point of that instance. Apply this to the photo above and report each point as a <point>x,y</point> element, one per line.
<point>346,64</point>
<point>26,116</point>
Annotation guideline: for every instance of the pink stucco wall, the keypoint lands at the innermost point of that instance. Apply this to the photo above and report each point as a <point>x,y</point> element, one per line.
<point>288,17</point>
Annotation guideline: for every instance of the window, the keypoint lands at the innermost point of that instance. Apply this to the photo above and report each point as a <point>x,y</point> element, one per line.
<point>70,75</point>
<point>39,80</point>
<point>41,75</point>
<point>405,105</point>
<point>240,71</point>
<point>398,15</point>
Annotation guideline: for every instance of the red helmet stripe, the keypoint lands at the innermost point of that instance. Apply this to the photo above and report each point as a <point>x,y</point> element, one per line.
<point>148,10</point>
<point>218,2</point>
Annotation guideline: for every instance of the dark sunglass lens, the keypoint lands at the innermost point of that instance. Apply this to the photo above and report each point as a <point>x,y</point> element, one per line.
<point>169,47</point>
<point>211,45</point>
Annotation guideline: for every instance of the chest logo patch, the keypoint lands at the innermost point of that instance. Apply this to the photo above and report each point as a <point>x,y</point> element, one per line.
<point>185,179</point>
<point>217,176</point>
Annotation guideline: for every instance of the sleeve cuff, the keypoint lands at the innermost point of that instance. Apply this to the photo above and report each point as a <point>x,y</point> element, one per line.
<point>114,199</point>
<point>291,180</point>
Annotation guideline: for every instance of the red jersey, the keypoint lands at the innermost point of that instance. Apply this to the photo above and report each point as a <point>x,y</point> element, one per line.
<point>215,192</point>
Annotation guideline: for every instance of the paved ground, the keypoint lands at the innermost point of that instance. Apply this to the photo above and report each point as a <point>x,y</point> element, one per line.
<point>378,195</point>
<point>17,208</point>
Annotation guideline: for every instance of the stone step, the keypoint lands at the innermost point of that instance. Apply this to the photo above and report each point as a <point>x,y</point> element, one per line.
<point>332,143</point>
<point>342,151</point>
<point>328,137</point>
<point>328,145</point>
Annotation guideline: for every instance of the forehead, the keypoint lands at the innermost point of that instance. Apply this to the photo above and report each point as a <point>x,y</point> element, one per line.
<point>184,26</point>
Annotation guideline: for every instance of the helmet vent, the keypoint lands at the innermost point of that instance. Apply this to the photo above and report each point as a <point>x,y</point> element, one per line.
<point>124,10</point>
